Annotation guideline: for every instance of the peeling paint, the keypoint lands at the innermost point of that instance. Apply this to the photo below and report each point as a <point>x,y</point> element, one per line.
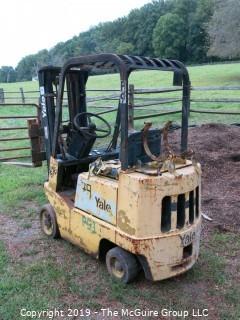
<point>124,223</point>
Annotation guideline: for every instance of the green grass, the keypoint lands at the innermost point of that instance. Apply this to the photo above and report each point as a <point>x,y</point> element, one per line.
<point>211,266</point>
<point>3,257</point>
<point>30,286</point>
<point>232,309</point>
<point>21,184</point>
<point>50,283</point>
<point>207,75</point>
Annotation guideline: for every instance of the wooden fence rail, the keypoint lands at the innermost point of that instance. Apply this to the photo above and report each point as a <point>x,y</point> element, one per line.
<point>22,97</point>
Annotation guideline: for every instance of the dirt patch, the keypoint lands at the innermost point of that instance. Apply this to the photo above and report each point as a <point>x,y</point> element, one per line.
<point>20,236</point>
<point>217,148</point>
<point>20,230</point>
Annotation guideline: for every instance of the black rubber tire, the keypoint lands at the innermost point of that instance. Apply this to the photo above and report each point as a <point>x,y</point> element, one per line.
<point>125,261</point>
<point>48,222</point>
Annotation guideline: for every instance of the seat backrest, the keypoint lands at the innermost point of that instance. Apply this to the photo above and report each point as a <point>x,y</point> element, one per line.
<point>79,146</point>
<point>135,146</point>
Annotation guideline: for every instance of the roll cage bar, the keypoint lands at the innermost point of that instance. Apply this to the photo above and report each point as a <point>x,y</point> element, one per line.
<point>124,65</point>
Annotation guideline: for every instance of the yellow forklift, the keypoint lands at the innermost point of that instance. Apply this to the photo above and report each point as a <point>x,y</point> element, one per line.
<point>130,201</point>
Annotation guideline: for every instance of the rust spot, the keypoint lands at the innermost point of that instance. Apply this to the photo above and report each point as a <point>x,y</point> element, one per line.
<point>124,223</point>
<point>137,246</point>
<point>179,176</point>
<point>103,227</point>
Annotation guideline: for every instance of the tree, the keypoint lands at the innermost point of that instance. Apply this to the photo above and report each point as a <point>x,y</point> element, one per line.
<point>168,39</point>
<point>198,43</point>
<point>139,25</point>
<point>26,68</point>
<point>87,41</point>
<point>181,33</point>
<point>224,29</point>
<point>108,35</point>
<point>7,74</point>
<point>125,48</point>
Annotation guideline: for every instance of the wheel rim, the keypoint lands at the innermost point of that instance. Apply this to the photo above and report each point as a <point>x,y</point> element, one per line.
<point>117,268</point>
<point>47,224</point>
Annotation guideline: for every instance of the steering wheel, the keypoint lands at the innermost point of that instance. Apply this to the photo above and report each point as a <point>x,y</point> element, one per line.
<point>91,129</point>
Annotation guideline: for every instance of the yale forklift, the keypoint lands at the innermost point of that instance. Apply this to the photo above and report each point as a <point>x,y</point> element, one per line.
<point>130,201</point>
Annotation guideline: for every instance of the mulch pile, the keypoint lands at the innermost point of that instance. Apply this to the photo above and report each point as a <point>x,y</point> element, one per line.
<point>217,148</point>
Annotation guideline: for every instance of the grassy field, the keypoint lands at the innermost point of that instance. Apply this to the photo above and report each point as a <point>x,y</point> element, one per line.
<point>207,75</point>
<point>39,274</point>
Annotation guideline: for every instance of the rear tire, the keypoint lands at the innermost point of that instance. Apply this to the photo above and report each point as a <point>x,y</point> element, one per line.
<point>48,222</point>
<point>122,265</point>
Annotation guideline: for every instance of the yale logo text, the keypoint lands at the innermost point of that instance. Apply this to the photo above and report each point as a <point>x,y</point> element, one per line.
<point>103,205</point>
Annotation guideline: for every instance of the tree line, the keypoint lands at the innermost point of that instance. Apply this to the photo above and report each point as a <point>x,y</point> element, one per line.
<point>193,31</point>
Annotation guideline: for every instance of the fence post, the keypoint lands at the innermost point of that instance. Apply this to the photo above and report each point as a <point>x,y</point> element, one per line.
<point>22,95</point>
<point>2,98</point>
<point>131,107</point>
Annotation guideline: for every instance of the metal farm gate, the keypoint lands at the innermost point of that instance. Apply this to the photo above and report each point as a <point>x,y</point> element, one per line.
<point>19,134</point>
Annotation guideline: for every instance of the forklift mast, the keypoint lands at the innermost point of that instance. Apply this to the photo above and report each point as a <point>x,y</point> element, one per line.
<point>47,86</point>
<point>76,97</point>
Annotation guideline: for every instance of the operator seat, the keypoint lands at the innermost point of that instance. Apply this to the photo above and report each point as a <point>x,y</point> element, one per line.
<point>136,149</point>
<point>79,145</point>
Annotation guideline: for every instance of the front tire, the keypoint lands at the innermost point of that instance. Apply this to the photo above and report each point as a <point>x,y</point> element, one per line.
<point>122,265</point>
<point>48,222</point>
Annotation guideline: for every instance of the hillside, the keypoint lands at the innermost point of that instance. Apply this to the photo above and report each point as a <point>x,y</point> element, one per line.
<point>172,29</point>
<point>201,75</point>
